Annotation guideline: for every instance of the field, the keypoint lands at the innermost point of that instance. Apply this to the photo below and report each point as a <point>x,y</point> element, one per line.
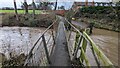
<point>20,11</point>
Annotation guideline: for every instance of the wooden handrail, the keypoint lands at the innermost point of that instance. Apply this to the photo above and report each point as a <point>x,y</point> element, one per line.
<point>98,52</point>
<point>30,53</point>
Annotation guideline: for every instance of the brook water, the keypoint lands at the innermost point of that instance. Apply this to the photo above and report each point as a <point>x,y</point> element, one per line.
<point>107,42</point>
<point>20,40</point>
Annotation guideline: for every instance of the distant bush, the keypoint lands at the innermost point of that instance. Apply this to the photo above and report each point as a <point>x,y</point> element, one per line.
<point>41,20</point>
<point>7,8</point>
<point>96,9</point>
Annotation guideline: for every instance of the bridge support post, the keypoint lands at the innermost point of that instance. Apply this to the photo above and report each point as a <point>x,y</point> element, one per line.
<point>46,50</point>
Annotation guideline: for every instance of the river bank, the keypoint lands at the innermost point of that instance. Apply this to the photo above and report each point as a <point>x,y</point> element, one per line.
<point>103,17</point>
<point>27,20</point>
<point>112,25</point>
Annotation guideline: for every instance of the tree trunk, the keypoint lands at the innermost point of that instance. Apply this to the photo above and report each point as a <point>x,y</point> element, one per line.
<point>15,8</point>
<point>26,7</point>
<point>55,5</point>
<point>86,4</point>
<point>34,9</point>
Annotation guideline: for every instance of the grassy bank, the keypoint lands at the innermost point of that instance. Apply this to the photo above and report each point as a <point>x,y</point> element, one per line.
<point>40,20</point>
<point>20,11</point>
<point>102,23</point>
<point>102,17</point>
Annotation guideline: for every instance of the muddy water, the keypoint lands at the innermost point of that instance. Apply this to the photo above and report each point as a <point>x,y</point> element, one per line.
<point>20,40</point>
<point>17,40</point>
<point>107,42</point>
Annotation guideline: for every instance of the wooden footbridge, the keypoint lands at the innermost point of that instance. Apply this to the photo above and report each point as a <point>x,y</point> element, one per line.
<point>65,48</point>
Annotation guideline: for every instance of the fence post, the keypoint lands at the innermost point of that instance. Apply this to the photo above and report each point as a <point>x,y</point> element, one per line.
<point>53,42</point>
<point>46,50</point>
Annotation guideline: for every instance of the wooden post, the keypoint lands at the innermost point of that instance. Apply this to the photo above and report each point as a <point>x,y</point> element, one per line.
<point>15,8</point>
<point>46,50</point>
<point>84,45</point>
<point>77,48</point>
<point>83,56</point>
<point>95,57</point>
<point>53,41</point>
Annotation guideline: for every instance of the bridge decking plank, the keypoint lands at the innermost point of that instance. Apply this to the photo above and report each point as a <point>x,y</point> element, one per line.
<point>60,56</point>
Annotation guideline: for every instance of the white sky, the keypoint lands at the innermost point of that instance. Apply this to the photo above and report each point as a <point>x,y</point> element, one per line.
<point>9,3</point>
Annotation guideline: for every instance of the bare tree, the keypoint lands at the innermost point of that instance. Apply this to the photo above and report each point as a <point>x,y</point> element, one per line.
<point>25,6</point>
<point>86,3</point>
<point>15,8</point>
<point>55,5</point>
<point>34,6</point>
<point>93,3</point>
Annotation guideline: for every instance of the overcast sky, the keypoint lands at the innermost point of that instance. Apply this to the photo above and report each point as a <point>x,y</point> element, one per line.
<point>9,3</point>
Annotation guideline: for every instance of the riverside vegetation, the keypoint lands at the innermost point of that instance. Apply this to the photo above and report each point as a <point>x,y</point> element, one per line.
<point>104,17</point>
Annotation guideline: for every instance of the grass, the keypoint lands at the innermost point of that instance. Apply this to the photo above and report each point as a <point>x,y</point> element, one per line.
<point>20,11</point>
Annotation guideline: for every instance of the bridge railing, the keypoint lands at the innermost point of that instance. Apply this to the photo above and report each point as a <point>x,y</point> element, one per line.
<point>82,41</point>
<point>39,54</point>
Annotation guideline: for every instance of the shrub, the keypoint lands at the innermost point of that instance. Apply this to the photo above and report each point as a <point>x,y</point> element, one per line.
<point>96,9</point>
<point>27,20</point>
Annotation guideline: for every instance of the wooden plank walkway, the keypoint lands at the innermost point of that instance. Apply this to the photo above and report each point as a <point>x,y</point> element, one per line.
<point>60,56</point>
